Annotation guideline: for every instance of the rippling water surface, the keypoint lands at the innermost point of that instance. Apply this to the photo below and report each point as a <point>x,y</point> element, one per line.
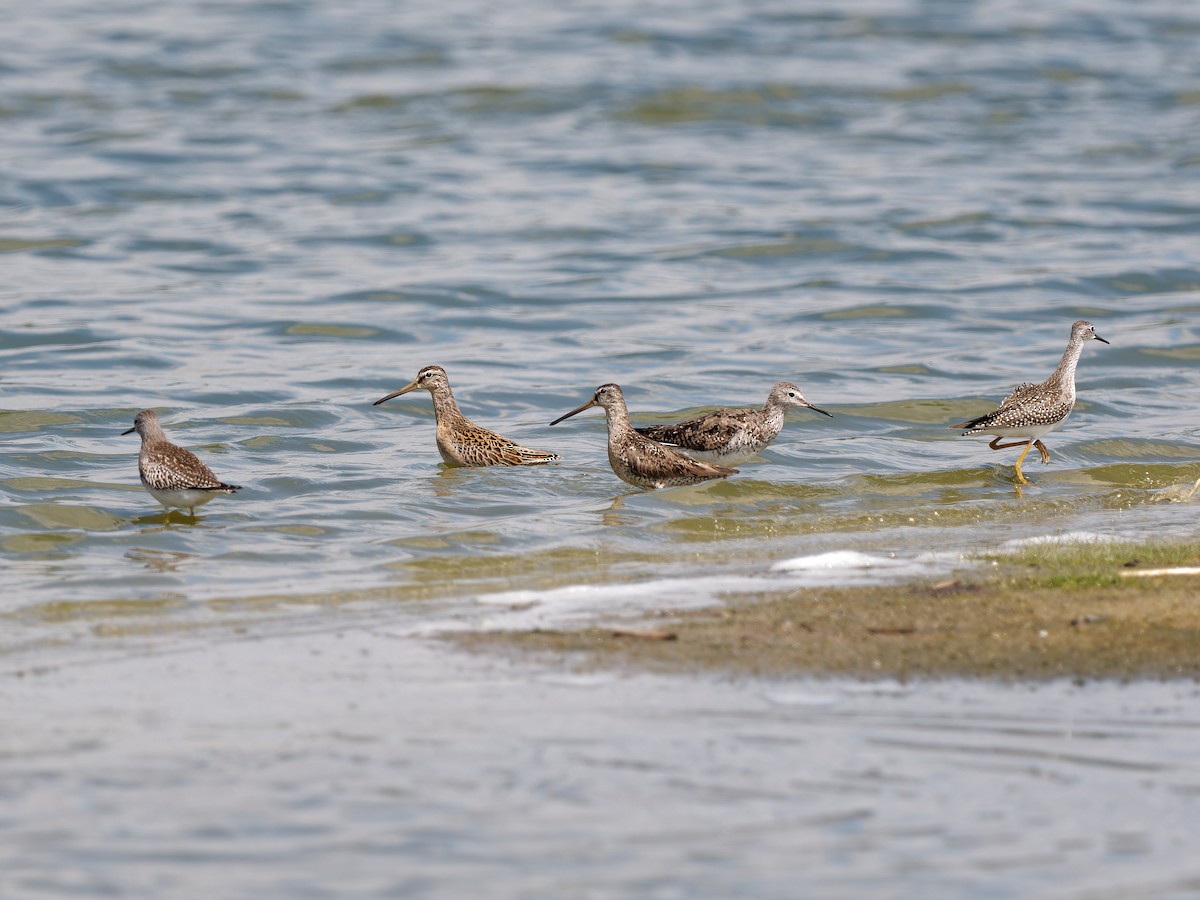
<point>257,218</point>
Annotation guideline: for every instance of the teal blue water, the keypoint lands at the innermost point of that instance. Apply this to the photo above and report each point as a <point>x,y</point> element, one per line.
<point>257,218</point>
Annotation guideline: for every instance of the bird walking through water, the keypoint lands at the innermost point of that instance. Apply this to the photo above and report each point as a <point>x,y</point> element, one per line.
<point>175,477</point>
<point>460,441</point>
<point>731,436</point>
<point>1032,411</point>
<point>637,459</point>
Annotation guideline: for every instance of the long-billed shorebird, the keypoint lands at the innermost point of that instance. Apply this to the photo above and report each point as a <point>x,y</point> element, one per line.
<point>1032,411</point>
<point>460,441</point>
<point>637,459</point>
<point>731,436</point>
<point>174,477</point>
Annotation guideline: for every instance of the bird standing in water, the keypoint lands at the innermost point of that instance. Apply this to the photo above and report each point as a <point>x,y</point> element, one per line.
<point>1032,411</point>
<point>460,441</point>
<point>637,459</point>
<point>728,437</point>
<point>174,477</point>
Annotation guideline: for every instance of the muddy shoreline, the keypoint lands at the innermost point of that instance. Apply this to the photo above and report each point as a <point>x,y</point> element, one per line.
<point>1059,611</point>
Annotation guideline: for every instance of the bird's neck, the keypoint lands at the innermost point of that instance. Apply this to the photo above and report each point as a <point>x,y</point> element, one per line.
<point>619,425</point>
<point>774,411</point>
<point>1065,373</point>
<point>444,407</point>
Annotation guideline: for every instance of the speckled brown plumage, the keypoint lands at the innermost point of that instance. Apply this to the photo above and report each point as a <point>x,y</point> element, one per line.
<point>637,459</point>
<point>459,440</point>
<point>173,476</point>
<point>1032,411</point>
<point>732,436</point>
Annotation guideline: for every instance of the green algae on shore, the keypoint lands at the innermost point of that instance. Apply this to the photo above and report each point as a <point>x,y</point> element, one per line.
<point>1048,611</point>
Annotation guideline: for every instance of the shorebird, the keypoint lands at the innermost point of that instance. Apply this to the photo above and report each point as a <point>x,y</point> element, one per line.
<point>731,436</point>
<point>1032,411</point>
<point>639,460</point>
<point>174,477</point>
<point>460,441</point>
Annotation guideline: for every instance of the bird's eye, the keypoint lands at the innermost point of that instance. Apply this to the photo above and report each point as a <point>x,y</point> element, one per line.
<point>791,393</point>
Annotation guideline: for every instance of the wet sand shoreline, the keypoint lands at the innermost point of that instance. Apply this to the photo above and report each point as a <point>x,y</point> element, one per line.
<point>1068,611</point>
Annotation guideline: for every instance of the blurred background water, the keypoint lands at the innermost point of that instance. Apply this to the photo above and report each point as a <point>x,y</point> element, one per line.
<point>259,217</point>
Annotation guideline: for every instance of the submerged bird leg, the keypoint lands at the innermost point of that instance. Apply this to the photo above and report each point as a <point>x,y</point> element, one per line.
<point>996,445</point>
<point>1042,451</point>
<point>1021,459</point>
<point>1192,492</point>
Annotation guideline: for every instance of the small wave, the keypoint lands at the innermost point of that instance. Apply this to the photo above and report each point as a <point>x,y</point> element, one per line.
<point>585,604</point>
<point>1071,537</point>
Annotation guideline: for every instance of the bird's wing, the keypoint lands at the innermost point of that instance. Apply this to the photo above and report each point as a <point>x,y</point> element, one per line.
<point>480,446</point>
<point>177,469</point>
<point>1027,403</point>
<point>711,431</point>
<point>651,459</point>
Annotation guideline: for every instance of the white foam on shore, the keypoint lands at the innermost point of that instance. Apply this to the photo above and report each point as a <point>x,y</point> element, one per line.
<point>1071,537</point>
<point>585,604</point>
<point>852,568</point>
<point>582,605</point>
<point>839,560</point>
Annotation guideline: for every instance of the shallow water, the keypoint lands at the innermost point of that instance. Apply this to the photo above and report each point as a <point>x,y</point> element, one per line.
<point>257,218</point>
<point>354,764</point>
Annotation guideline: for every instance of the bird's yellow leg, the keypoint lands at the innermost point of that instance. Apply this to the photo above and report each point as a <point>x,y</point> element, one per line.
<point>1192,492</point>
<point>1042,451</point>
<point>1020,459</point>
